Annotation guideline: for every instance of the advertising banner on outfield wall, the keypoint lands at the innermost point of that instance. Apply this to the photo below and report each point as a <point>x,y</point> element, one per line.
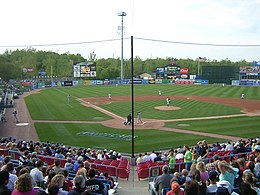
<point>144,81</point>
<point>184,82</point>
<point>158,81</point>
<point>235,82</point>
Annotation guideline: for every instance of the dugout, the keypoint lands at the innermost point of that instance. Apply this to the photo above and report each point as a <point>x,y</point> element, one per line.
<point>220,74</point>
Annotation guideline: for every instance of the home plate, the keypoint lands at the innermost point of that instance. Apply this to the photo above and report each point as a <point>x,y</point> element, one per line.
<point>22,124</point>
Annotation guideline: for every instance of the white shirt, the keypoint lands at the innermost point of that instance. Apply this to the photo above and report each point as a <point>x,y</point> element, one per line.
<point>153,156</point>
<point>229,147</point>
<point>36,175</point>
<point>179,156</point>
<point>12,179</point>
<point>146,158</point>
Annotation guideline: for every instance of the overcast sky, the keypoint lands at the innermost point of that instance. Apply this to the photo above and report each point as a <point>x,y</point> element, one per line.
<point>221,22</point>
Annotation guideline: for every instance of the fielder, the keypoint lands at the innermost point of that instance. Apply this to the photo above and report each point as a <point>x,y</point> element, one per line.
<point>168,101</point>
<point>68,98</point>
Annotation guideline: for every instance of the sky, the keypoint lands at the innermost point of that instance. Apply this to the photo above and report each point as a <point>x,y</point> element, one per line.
<point>171,24</point>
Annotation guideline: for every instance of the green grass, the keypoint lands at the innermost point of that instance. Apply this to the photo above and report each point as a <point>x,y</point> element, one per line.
<point>189,109</point>
<point>243,126</point>
<point>51,104</point>
<point>146,140</point>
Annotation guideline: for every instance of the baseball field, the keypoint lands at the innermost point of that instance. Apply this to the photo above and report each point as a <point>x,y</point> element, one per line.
<point>197,112</point>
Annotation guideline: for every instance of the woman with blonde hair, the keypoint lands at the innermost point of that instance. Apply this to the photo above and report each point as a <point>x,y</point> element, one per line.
<point>58,181</point>
<point>249,178</point>
<point>24,185</point>
<point>204,175</point>
<point>82,172</point>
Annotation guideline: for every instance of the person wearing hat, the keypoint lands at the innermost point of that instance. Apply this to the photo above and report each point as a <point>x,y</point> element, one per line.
<point>175,189</point>
<point>77,164</point>
<point>162,181</point>
<point>213,177</point>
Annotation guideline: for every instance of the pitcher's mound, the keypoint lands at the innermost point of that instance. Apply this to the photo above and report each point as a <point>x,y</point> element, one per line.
<point>167,108</point>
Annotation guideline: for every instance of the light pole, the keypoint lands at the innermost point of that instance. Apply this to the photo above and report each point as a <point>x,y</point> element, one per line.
<point>122,14</point>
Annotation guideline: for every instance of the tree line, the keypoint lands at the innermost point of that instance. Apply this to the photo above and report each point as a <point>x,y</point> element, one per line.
<point>61,65</point>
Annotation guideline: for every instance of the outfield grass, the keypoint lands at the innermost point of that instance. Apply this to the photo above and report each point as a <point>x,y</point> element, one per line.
<point>52,104</point>
<point>146,140</point>
<point>243,126</point>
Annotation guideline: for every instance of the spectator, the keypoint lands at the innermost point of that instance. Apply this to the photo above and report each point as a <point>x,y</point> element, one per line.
<point>107,177</point>
<point>58,180</point>
<point>4,179</point>
<point>213,165</point>
<point>77,164</point>
<point>192,188</point>
<point>146,157</point>
<point>53,189</point>
<point>9,167</point>
<point>228,173</point>
<point>67,185</point>
<point>257,167</point>
<point>79,183</point>
<point>172,162</point>
<point>68,165</point>
<point>184,176</point>
<point>229,147</point>
<point>58,154</point>
<point>93,184</point>
<point>175,189</point>
<point>57,166</point>
<point>202,185</point>
<point>37,175</point>
<point>25,159</point>
<point>82,172</point>
<point>139,159</point>
<point>245,189</point>
<point>162,181</point>
<point>24,185</point>
<point>251,180</point>
<point>187,157</point>
<point>153,155</point>
<point>204,175</point>
<point>213,176</point>
<point>204,149</point>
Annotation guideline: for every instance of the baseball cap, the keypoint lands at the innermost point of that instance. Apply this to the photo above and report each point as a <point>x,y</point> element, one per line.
<point>224,184</point>
<point>175,187</point>
<point>213,175</point>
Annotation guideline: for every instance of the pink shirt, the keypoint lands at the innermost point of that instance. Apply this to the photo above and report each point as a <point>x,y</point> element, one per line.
<point>204,176</point>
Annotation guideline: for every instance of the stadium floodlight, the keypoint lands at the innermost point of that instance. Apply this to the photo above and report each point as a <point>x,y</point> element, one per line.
<point>122,14</point>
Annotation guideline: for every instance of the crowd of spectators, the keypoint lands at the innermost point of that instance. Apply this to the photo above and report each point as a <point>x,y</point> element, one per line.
<point>53,178</point>
<point>199,175</point>
<point>206,173</point>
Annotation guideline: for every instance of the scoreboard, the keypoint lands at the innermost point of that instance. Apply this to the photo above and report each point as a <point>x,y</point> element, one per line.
<point>85,69</point>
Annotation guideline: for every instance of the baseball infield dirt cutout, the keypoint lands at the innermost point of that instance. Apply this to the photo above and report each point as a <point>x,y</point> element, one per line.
<point>167,108</point>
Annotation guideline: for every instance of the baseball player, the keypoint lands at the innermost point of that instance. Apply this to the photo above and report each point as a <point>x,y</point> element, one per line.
<point>168,101</point>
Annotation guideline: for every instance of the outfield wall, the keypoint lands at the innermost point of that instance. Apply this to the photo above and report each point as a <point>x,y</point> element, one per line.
<point>43,84</point>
